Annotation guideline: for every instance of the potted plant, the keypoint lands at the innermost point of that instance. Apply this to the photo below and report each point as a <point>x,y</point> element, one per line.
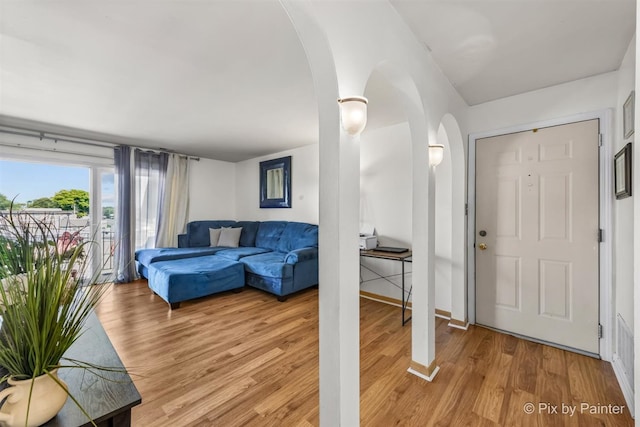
<point>44,305</point>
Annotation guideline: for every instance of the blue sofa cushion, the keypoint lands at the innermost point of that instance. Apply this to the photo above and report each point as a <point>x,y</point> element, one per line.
<point>269,233</point>
<point>298,235</point>
<point>237,253</point>
<point>198,231</point>
<point>147,256</point>
<point>270,264</point>
<point>249,231</point>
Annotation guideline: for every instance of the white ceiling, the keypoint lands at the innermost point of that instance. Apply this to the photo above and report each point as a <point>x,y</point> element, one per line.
<point>491,49</point>
<point>219,79</point>
<point>229,79</point>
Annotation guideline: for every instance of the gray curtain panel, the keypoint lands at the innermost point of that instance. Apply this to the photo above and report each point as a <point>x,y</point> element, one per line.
<point>163,161</point>
<point>124,264</point>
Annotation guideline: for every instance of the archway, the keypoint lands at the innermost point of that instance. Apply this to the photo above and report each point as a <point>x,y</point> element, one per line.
<point>339,67</point>
<point>400,94</point>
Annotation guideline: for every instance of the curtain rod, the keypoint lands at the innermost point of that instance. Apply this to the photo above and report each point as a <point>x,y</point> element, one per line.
<point>65,138</point>
<point>2,144</point>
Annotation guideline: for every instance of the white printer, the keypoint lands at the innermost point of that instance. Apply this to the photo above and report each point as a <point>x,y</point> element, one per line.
<point>368,239</point>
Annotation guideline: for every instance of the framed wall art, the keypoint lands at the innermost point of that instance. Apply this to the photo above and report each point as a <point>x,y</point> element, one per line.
<point>622,172</point>
<point>275,183</point>
<point>628,115</point>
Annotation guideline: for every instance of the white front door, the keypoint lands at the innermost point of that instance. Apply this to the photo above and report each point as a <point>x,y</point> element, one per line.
<point>536,243</point>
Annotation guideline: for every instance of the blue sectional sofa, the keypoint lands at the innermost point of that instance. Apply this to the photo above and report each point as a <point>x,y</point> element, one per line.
<point>280,257</point>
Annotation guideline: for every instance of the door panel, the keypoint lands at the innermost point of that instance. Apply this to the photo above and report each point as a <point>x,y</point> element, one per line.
<point>508,208</point>
<point>555,203</point>
<point>555,289</point>
<point>508,282</point>
<point>537,265</point>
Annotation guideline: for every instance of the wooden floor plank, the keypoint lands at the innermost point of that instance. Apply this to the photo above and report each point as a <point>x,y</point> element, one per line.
<point>248,360</point>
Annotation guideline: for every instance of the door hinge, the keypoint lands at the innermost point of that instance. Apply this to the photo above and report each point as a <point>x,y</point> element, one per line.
<point>466,209</point>
<point>600,235</point>
<point>599,331</point>
<point>599,140</point>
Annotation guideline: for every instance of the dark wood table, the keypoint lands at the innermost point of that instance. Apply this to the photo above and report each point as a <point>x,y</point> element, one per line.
<point>108,402</point>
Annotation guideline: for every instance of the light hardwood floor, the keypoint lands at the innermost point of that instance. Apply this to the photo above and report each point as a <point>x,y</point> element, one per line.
<point>248,360</point>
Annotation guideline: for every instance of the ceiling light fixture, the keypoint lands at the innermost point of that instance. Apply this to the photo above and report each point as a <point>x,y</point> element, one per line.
<point>353,113</point>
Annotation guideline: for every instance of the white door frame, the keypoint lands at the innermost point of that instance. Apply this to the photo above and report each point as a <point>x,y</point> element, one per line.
<point>606,223</point>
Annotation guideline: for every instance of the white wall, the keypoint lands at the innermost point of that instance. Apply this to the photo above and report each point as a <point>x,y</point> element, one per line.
<point>304,188</point>
<point>636,233</point>
<point>385,203</point>
<point>623,209</point>
<point>212,190</point>
<point>580,96</point>
<point>385,183</point>
<point>623,217</point>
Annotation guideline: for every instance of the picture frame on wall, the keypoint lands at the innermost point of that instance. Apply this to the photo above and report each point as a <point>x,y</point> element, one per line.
<point>622,172</point>
<point>275,183</point>
<point>628,114</point>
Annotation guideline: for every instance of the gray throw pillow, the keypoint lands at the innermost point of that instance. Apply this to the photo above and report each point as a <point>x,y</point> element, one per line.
<point>230,237</point>
<point>214,236</point>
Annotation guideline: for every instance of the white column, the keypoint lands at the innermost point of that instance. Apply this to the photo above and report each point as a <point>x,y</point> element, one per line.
<point>459,318</point>
<point>423,330</point>
<point>339,278</point>
<point>339,304</point>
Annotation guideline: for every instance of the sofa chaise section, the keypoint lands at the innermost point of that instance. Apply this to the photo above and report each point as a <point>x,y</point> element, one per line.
<point>188,278</point>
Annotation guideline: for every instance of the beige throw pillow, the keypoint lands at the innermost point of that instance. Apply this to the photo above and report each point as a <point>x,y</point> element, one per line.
<point>230,237</point>
<point>214,236</point>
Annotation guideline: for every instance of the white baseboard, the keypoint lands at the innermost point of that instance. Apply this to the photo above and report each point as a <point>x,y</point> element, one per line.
<point>453,325</point>
<point>423,376</point>
<point>627,390</point>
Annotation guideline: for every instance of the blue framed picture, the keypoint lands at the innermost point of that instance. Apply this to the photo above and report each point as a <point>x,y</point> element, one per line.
<point>275,183</point>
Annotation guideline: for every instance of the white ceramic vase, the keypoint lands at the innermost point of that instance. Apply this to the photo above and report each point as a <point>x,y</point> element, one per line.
<point>47,398</point>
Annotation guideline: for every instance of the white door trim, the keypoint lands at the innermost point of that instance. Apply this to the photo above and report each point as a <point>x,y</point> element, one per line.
<point>606,223</point>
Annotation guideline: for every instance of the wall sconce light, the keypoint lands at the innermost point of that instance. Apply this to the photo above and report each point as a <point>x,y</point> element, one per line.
<point>353,113</point>
<point>436,154</point>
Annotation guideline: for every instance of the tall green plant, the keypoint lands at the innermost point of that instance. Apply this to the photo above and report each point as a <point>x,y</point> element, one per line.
<point>44,300</point>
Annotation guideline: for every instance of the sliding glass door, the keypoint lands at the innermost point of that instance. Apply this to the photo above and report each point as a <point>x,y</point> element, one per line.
<point>76,199</point>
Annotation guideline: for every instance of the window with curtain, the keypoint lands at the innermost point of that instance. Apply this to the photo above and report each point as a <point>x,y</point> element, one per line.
<point>152,202</point>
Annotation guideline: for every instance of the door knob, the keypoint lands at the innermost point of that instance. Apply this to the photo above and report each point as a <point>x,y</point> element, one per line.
<point>482,246</point>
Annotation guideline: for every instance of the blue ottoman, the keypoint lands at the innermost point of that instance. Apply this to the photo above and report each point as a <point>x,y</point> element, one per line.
<point>184,279</point>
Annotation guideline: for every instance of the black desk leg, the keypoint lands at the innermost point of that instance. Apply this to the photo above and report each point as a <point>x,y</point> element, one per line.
<point>405,301</point>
